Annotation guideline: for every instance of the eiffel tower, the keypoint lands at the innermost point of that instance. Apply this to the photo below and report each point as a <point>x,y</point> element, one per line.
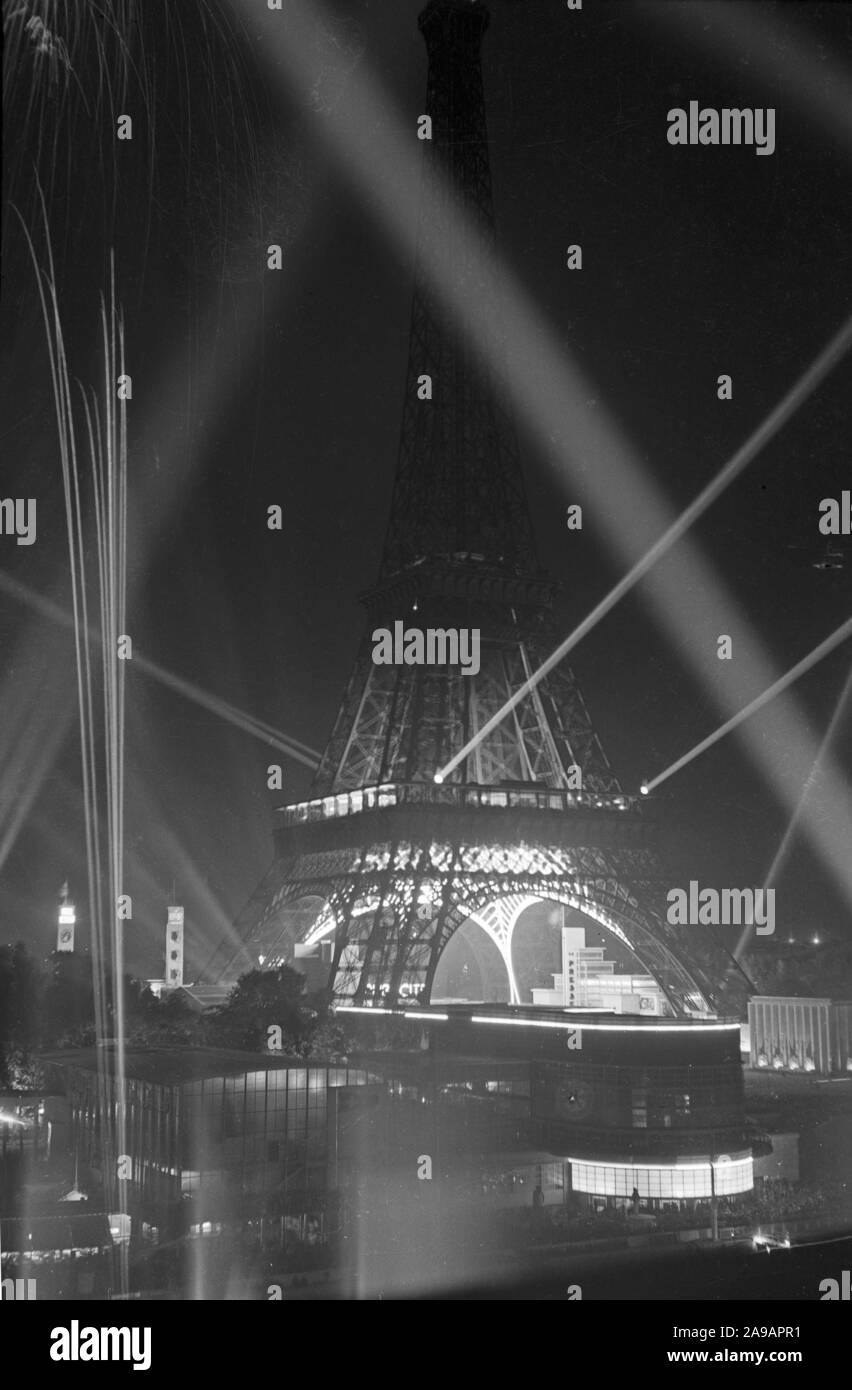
<point>383,861</point>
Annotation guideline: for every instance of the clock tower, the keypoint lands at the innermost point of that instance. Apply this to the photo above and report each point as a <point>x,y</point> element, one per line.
<point>67,922</point>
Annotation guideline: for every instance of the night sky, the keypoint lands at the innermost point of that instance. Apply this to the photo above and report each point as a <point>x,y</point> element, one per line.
<point>252,388</point>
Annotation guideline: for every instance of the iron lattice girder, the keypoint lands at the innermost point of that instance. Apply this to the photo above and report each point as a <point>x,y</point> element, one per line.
<point>401,723</point>
<point>396,904</point>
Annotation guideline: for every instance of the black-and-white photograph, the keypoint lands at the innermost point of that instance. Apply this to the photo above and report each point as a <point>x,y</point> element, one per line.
<point>426,663</point>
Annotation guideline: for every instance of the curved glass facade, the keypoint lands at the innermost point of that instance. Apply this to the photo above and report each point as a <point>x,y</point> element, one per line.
<point>661,1182</point>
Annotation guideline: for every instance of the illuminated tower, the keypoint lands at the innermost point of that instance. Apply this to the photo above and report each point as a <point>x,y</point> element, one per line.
<point>382,860</point>
<point>173,975</point>
<point>67,922</point>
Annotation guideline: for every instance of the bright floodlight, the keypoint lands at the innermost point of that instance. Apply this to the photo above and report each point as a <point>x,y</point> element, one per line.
<point>644,789</point>
<point>438,777</point>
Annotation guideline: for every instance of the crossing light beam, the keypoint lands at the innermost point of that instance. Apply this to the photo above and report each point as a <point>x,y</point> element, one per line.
<point>808,792</point>
<point>248,723</point>
<point>798,393</point>
<point>839,635</point>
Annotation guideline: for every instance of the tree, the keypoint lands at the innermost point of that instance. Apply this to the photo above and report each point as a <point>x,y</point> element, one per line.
<point>166,1022</point>
<point>20,1012</point>
<point>69,1001</point>
<point>262,999</point>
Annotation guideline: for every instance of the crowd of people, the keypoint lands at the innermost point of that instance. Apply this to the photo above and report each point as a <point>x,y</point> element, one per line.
<point>771,1205</point>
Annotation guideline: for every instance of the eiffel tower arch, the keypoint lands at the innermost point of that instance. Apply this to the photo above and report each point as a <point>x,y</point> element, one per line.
<point>395,871</point>
<point>382,862</point>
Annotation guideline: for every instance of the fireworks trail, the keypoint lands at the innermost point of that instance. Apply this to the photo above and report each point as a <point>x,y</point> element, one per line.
<point>102,760</point>
<point>72,67</point>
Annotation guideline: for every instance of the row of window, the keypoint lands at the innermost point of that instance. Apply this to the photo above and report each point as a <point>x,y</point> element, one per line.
<point>277,1079</point>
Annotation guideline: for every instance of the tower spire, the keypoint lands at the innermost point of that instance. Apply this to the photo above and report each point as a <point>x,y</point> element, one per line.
<point>459,488</point>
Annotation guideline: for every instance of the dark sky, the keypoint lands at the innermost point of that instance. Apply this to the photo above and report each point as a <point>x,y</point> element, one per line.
<point>252,389</point>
